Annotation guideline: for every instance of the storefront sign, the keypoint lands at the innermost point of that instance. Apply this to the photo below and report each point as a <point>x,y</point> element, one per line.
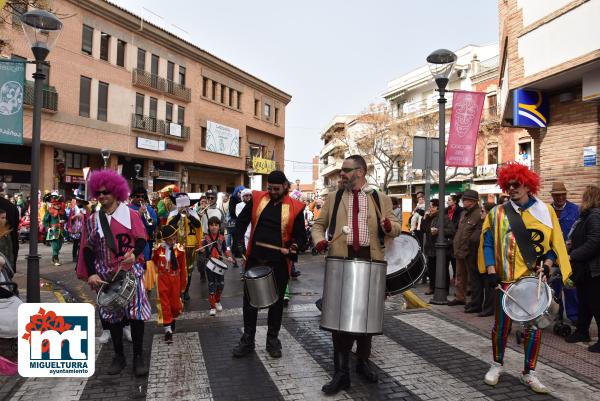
<point>487,170</point>
<point>12,91</point>
<point>74,179</point>
<point>173,146</point>
<point>464,127</point>
<point>590,155</point>
<point>262,166</point>
<point>530,109</point>
<point>486,189</point>
<point>222,139</point>
<point>150,144</point>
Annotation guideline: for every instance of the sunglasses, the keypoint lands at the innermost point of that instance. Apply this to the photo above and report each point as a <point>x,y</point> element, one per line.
<point>274,189</point>
<point>349,169</point>
<point>105,192</point>
<point>211,197</point>
<point>514,185</point>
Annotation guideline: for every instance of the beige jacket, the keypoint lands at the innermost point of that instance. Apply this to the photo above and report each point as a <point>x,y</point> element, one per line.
<point>339,248</point>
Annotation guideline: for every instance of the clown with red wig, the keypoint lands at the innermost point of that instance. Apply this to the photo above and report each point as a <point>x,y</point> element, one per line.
<point>503,263</point>
<point>113,239</point>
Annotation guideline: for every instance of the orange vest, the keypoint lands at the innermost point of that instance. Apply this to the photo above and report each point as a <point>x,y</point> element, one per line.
<point>290,208</point>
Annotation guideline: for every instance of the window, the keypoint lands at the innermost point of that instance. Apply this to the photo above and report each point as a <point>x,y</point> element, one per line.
<point>139,104</point>
<point>169,112</point>
<point>204,86</point>
<point>214,90</point>
<point>87,39</point>
<point>121,53</point>
<point>239,100</point>
<point>85,86</point>
<point>223,92</point>
<point>76,160</point>
<point>170,70</point>
<point>182,75</point>
<point>267,111</point>
<point>231,92</point>
<point>154,65</point>
<point>276,115</point>
<point>180,115</point>
<point>203,137</point>
<point>256,107</point>
<point>492,154</point>
<point>104,46</point>
<point>102,101</point>
<point>525,154</point>
<point>152,113</point>
<point>141,59</point>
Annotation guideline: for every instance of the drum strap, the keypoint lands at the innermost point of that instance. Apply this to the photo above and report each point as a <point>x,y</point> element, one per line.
<point>521,235</point>
<point>110,240</point>
<point>336,205</point>
<point>380,233</point>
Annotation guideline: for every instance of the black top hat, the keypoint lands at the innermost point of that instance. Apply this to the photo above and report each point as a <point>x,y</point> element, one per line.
<point>166,232</point>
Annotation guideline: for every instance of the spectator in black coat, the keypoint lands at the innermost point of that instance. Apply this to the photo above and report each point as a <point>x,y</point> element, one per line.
<point>585,261</point>
<point>12,218</point>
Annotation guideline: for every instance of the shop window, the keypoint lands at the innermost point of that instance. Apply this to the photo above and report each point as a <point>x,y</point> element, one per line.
<point>76,160</point>
<point>87,39</point>
<point>104,46</point>
<point>121,53</point>
<point>141,59</point>
<point>85,88</point>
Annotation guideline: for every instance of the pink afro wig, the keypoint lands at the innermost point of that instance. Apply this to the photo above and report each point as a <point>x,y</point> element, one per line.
<point>110,180</point>
<point>514,171</point>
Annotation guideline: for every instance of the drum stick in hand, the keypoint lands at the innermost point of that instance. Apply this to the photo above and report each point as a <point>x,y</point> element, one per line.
<point>202,247</point>
<point>345,231</point>
<point>540,281</point>
<point>514,300</point>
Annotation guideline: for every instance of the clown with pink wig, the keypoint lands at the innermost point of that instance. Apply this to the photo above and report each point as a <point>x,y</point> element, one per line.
<point>502,260</point>
<point>113,239</point>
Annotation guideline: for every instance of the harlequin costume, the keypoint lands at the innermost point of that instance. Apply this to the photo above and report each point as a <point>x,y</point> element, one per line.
<point>189,234</point>
<point>165,204</point>
<point>216,282</point>
<point>102,252</point>
<point>277,222</point>
<point>169,261</point>
<point>54,221</point>
<point>498,248</point>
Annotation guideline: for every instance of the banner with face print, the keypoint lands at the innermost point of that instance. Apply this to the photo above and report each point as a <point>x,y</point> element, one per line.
<point>464,126</point>
<point>12,92</point>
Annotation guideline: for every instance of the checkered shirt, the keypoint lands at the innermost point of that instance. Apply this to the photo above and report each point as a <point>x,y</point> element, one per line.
<point>363,227</point>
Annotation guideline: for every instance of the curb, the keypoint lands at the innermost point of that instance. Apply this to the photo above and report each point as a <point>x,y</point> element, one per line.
<point>414,301</point>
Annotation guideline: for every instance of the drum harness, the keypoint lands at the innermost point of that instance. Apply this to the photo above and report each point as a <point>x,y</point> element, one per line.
<point>110,240</point>
<point>336,205</point>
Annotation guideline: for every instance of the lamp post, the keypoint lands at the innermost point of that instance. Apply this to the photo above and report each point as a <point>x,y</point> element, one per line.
<point>105,156</point>
<point>41,29</point>
<point>441,63</point>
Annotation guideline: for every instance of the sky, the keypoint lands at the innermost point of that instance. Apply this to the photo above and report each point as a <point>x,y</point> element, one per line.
<point>333,56</point>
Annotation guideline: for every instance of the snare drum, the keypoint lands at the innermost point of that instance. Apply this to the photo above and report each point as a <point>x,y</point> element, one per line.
<point>261,287</point>
<point>406,264</point>
<point>216,266</point>
<point>117,295</point>
<point>525,307</point>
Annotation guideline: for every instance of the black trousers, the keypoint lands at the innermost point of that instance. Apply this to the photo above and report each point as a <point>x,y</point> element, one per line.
<point>342,342</point>
<point>75,252</point>
<point>137,335</point>
<point>280,271</point>
<point>482,296</point>
<point>588,294</point>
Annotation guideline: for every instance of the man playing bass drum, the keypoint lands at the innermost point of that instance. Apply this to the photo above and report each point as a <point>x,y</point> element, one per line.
<point>370,218</point>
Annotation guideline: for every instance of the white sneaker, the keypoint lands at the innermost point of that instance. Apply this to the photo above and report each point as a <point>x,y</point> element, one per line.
<point>492,375</point>
<point>219,307</point>
<point>213,311</point>
<point>530,379</point>
<point>104,337</point>
<point>127,333</point>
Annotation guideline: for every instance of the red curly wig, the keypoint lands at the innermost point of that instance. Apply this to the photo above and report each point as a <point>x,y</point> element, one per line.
<point>513,171</point>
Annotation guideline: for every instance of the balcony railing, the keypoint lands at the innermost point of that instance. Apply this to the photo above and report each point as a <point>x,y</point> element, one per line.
<point>331,167</point>
<point>145,79</point>
<point>168,175</point>
<point>49,96</point>
<point>157,127</point>
<point>419,107</point>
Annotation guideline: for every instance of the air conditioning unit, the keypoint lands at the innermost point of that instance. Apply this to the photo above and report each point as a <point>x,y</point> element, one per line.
<point>59,155</point>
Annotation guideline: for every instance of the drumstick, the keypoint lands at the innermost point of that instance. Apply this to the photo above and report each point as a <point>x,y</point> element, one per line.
<point>202,247</point>
<point>270,246</point>
<point>345,231</point>
<point>514,300</point>
<point>540,282</point>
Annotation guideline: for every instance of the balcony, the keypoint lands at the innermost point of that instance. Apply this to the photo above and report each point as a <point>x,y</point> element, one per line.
<point>146,80</point>
<point>331,168</point>
<point>331,145</point>
<point>167,175</point>
<point>150,125</point>
<point>418,108</point>
<point>49,97</point>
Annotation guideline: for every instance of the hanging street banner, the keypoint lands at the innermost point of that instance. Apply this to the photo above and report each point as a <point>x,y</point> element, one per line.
<point>464,126</point>
<point>222,139</point>
<point>12,91</point>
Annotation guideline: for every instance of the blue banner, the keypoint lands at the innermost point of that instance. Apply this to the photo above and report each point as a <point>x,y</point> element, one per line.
<point>12,92</point>
<point>530,109</point>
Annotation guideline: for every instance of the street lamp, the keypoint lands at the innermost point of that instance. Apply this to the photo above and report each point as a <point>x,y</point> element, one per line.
<point>137,167</point>
<point>41,30</point>
<point>441,62</point>
<point>298,184</point>
<point>105,155</point>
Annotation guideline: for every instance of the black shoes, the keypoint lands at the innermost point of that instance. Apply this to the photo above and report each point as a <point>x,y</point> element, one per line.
<point>341,377</point>
<point>169,337</point>
<point>185,297</point>
<point>455,302</point>
<point>595,347</point>
<point>139,367</point>
<point>117,365</point>
<point>245,346</point>
<point>578,337</point>
<point>485,313</point>
<point>364,368</point>
<point>472,310</point>
<point>273,346</point>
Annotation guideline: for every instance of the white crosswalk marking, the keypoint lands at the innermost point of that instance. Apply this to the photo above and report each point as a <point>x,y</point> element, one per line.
<point>63,389</point>
<point>296,374</point>
<point>419,376</point>
<point>562,385</point>
<point>177,371</point>
<point>202,314</point>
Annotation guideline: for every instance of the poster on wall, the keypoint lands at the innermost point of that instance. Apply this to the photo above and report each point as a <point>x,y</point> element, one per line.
<point>222,139</point>
<point>12,92</point>
<point>590,155</point>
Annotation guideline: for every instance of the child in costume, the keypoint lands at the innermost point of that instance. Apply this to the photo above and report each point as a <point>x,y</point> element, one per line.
<point>54,221</point>
<point>218,250</point>
<point>169,259</point>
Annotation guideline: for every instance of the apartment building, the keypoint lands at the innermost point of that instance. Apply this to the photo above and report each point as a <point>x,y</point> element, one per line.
<point>168,111</point>
<point>550,85</point>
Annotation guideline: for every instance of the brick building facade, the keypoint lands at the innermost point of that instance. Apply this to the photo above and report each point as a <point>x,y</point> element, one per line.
<point>117,82</point>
